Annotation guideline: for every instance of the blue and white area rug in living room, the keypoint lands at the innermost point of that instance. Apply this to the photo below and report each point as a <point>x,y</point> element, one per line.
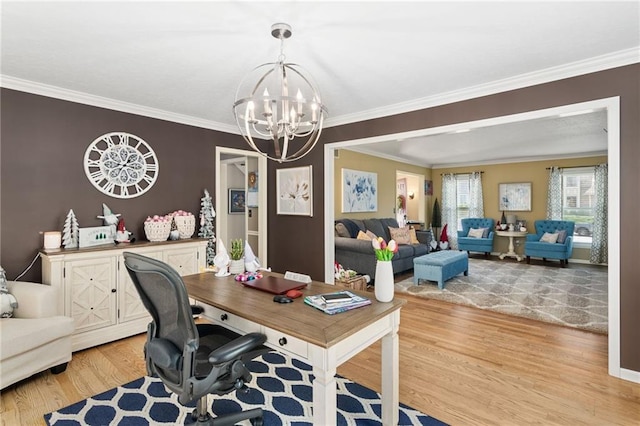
<point>281,386</point>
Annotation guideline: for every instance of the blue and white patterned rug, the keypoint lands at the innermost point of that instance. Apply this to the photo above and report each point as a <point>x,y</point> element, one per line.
<point>281,386</point>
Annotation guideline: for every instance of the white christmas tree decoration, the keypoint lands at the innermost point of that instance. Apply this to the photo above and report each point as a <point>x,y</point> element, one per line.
<point>207,215</point>
<point>70,231</point>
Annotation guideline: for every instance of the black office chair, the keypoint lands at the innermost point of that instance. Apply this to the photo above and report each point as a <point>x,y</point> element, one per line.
<point>192,360</point>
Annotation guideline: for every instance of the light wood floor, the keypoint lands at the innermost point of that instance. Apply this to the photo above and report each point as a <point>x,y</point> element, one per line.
<point>461,365</point>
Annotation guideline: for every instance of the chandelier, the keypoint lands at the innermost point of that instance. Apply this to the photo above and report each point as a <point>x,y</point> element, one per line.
<point>280,114</point>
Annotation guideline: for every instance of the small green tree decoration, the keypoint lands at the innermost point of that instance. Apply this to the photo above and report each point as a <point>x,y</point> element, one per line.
<point>237,250</point>
<point>207,216</point>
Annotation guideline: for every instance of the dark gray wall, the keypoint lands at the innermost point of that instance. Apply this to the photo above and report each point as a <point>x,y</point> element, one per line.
<point>43,141</point>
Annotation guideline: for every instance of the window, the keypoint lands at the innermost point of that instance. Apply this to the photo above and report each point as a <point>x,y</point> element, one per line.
<point>578,200</point>
<point>463,197</point>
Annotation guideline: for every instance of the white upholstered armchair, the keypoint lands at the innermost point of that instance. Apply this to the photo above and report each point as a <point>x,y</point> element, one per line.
<point>36,337</point>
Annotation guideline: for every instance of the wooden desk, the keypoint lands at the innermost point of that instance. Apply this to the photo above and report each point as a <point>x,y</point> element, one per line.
<point>324,341</point>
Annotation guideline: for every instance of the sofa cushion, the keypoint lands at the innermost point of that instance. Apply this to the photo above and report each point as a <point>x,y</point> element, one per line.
<point>363,236</point>
<point>476,232</point>
<point>400,235</point>
<point>549,238</point>
<point>342,230</point>
<point>376,226</point>
<point>562,236</point>
<point>413,236</point>
<point>20,335</point>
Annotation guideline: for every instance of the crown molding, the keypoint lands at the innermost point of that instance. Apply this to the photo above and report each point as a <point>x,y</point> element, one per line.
<point>574,69</point>
<point>35,88</point>
<point>363,150</point>
<point>599,63</point>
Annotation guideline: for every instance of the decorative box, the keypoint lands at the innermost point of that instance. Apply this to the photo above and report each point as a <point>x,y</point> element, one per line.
<point>359,282</point>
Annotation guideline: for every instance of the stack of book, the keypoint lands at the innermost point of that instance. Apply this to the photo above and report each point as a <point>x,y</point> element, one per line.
<point>339,301</point>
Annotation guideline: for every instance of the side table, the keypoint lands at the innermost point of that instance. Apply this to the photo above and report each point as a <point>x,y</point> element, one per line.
<point>511,235</point>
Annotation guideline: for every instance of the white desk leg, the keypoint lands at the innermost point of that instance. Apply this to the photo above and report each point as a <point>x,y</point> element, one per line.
<point>391,374</point>
<point>324,386</point>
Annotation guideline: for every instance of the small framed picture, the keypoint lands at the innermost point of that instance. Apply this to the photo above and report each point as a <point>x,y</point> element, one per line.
<point>237,201</point>
<point>295,191</point>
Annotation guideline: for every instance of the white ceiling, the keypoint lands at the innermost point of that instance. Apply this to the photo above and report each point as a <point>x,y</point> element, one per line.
<point>182,61</point>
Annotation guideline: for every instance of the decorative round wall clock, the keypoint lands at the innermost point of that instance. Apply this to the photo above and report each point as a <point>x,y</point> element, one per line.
<point>121,165</point>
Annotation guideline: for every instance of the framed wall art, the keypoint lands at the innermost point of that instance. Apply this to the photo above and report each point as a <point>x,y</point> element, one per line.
<point>514,197</point>
<point>359,191</point>
<point>294,191</point>
<point>237,201</point>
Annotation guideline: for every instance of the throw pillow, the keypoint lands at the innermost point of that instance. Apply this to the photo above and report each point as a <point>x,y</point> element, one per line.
<point>342,230</point>
<point>562,236</point>
<point>372,235</point>
<point>413,237</point>
<point>400,235</point>
<point>485,233</point>
<point>475,232</point>
<point>549,238</point>
<point>363,236</point>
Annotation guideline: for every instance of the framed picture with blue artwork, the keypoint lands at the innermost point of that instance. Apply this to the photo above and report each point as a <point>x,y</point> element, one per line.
<point>359,191</point>
<point>514,197</point>
<point>237,201</point>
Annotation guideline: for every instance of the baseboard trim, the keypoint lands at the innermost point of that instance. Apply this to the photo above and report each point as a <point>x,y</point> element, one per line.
<point>571,260</point>
<point>630,375</point>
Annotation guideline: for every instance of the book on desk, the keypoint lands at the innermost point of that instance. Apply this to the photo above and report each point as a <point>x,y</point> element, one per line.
<point>336,302</point>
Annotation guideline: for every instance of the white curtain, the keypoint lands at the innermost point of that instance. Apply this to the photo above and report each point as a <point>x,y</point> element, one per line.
<point>554,194</point>
<point>476,205</point>
<point>600,235</point>
<point>450,208</point>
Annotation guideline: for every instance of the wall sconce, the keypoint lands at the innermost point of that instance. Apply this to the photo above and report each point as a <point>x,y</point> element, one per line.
<point>411,195</point>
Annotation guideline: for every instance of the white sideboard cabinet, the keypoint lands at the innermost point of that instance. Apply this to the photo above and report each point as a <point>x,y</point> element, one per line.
<point>96,291</point>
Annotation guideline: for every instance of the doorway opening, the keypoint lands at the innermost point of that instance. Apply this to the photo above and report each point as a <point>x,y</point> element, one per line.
<point>612,107</point>
<point>241,199</point>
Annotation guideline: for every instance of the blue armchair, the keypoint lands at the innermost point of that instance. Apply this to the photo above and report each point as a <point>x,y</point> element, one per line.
<point>560,250</point>
<point>484,245</point>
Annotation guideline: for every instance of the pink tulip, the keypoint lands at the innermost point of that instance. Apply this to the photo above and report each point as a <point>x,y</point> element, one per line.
<point>383,244</point>
<point>393,246</point>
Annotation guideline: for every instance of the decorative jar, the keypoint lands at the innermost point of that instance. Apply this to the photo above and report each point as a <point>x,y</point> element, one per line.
<point>186,226</point>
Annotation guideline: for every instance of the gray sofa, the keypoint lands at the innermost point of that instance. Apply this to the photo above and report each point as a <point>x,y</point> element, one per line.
<point>358,255</point>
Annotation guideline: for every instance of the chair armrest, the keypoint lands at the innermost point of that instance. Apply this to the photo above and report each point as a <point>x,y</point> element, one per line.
<point>532,237</point>
<point>34,300</point>
<point>424,237</point>
<point>490,236</point>
<point>236,347</point>
<point>461,234</point>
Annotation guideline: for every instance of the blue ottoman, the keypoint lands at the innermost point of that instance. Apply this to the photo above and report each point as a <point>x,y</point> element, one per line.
<point>440,266</point>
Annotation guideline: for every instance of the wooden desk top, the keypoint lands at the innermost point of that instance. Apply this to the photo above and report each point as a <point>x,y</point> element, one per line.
<point>296,319</point>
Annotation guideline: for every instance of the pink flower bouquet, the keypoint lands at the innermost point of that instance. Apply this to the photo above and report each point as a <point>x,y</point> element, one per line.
<point>383,250</point>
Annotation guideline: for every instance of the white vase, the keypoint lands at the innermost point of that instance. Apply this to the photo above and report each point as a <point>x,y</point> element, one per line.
<point>384,281</point>
<point>236,266</point>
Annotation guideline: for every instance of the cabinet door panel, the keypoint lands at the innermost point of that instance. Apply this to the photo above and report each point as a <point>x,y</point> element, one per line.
<point>91,300</point>
<point>130,306</point>
<point>185,261</point>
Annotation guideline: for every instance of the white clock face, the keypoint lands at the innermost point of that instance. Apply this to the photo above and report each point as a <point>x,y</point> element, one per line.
<point>121,165</point>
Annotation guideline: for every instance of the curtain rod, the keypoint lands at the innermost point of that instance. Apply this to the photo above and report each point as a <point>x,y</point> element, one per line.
<point>467,173</point>
<point>577,167</point>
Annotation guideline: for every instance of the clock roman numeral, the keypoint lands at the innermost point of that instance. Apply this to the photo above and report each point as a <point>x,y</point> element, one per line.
<point>124,138</point>
<point>152,167</point>
<point>97,176</point>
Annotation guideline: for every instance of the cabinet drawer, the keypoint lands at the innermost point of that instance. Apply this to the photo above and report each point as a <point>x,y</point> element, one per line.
<point>228,320</point>
<point>285,342</point>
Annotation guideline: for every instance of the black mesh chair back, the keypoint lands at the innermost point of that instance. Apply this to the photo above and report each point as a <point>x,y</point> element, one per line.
<point>192,360</point>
